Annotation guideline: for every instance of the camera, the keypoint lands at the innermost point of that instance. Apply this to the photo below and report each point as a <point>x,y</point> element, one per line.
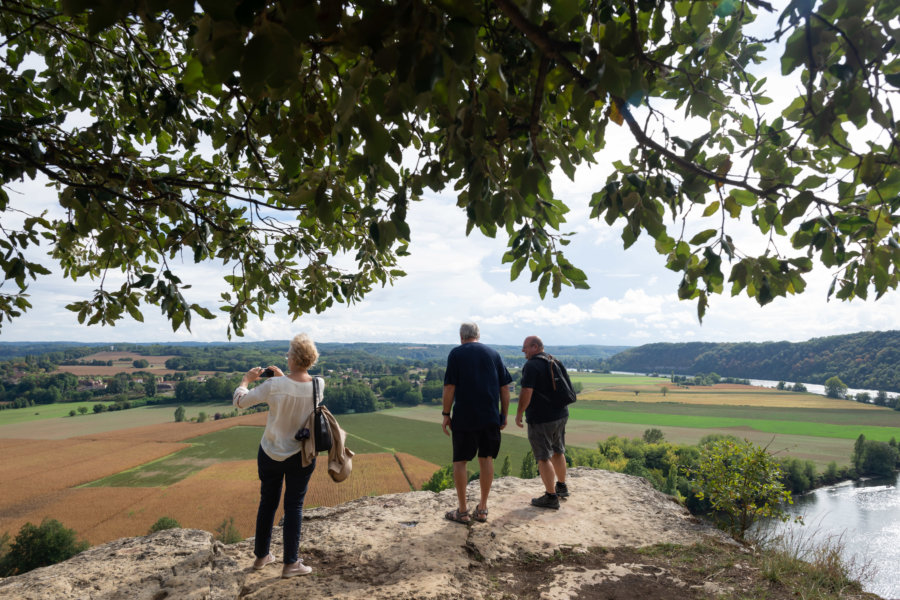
<point>302,434</point>
<point>267,373</point>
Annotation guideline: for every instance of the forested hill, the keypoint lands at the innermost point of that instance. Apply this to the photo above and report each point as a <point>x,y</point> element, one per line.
<point>868,360</point>
<point>235,356</point>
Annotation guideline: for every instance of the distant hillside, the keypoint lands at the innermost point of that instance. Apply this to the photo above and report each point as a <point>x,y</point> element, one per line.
<point>10,350</point>
<point>234,355</point>
<point>869,360</point>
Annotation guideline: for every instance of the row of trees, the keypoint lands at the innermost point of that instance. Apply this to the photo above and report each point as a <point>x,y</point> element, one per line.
<point>835,388</point>
<point>36,389</point>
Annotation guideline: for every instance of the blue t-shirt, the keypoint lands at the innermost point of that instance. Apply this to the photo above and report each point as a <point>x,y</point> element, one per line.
<point>536,375</point>
<point>478,374</point>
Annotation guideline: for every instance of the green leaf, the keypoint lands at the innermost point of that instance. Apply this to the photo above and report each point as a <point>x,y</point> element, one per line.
<point>744,197</point>
<point>703,236</point>
<point>711,209</point>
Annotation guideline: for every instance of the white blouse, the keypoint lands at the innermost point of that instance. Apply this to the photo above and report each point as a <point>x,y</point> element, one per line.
<point>290,405</point>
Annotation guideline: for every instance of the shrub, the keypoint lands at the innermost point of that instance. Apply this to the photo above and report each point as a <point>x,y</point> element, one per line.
<point>201,418</point>
<point>743,484</point>
<point>441,480</point>
<point>164,523</point>
<point>227,533</point>
<point>39,546</point>
<point>529,468</point>
<point>179,414</point>
<point>653,435</point>
<point>506,468</point>
<point>879,459</point>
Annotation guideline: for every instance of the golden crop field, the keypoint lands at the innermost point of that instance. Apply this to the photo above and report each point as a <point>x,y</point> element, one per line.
<point>38,474</point>
<point>373,475</point>
<point>205,499</point>
<point>417,470</point>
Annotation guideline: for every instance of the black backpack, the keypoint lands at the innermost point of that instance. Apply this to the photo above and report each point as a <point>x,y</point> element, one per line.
<point>562,393</point>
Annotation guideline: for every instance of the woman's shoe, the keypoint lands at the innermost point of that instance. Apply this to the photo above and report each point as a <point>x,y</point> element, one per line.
<point>259,563</point>
<point>295,569</point>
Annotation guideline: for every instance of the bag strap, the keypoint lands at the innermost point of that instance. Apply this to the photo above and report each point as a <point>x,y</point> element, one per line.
<point>315,383</point>
<point>550,360</point>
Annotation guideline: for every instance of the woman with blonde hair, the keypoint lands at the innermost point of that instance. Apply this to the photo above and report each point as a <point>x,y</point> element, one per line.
<point>290,400</point>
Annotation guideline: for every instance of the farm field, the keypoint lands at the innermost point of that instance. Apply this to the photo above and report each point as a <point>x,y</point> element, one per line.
<point>205,499</point>
<point>622,388</point>
<point>394,431</point>
<point>232,444</point>
<point>599,381</point>
<point>809,428</point>
<point>122,363</point>
<point>52,421</point>
<point>114,474</point>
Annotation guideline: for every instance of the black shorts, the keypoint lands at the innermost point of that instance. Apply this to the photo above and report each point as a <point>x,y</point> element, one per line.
<point>485,442</point>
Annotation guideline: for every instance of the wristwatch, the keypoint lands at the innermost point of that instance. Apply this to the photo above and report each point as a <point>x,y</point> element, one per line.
<point>445,414</point>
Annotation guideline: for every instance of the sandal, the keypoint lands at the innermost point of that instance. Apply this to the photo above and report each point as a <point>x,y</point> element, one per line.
<point>480,514</point>
<point>458,517</point>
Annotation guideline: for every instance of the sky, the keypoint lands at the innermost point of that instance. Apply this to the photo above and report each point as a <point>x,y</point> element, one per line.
<point>452,278</point>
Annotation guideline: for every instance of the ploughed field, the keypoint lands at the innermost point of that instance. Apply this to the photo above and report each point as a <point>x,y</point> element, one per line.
<point>112,475</point>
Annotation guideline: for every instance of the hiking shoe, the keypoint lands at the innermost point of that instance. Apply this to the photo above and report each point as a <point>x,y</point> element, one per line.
<point>546,501</point>
<point>295,569</point>
<point>562,490</point>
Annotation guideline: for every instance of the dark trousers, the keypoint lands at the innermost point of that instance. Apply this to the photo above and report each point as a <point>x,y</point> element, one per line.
<point>296,478</point>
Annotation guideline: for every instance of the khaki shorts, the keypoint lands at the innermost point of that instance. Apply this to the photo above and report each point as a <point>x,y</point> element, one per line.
<point>547,439</point>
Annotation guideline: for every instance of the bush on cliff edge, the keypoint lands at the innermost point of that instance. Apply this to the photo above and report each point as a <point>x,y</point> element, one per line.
<point>39,546</point>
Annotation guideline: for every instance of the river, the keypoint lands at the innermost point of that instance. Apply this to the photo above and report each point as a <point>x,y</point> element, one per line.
<point>865,517</point>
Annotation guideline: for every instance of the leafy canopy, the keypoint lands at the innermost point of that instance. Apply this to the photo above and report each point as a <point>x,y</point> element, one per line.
<point>286,140</point>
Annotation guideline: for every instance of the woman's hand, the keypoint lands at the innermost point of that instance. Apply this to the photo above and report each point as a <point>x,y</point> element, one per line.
<point>277,372</point>
<point>251,376</point>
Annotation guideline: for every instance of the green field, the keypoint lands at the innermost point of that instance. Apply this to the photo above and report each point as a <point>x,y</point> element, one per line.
<point>53,421</point>
<point>848,416</point>
<point>236,443</point>
<point>386,432</point>
<point>366,433</point>
<point>600,381</point>
<point>14,416</point>
<point>807,428</point>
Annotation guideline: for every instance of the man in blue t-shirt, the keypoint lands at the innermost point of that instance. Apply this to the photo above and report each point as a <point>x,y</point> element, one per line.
<point>476,386</point>
<point>546,422</point>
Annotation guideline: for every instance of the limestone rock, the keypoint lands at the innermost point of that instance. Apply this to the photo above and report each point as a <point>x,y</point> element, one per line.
<point>387,547</point>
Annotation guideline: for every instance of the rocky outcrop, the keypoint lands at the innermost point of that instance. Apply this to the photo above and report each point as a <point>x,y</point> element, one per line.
<point>395,546</point>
